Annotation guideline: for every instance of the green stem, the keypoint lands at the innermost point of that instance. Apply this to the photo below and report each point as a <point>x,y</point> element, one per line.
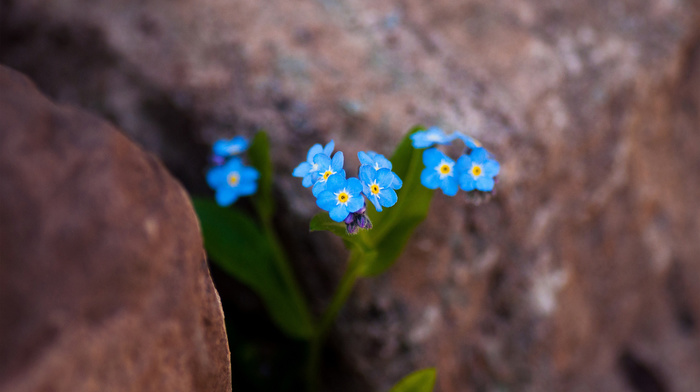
<point>347,282</point>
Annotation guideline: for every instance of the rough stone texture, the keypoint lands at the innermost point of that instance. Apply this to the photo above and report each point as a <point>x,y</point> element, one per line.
<point>104,284</point>
<point>580,275</point>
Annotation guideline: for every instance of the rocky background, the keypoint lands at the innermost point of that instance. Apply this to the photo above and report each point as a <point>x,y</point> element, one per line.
<point>579,276</point>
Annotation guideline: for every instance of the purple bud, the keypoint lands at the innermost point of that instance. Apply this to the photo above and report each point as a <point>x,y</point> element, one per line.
<point>217,160</point>
<point>364,222</point>
<point>349,219</point>
<point>352,228</point>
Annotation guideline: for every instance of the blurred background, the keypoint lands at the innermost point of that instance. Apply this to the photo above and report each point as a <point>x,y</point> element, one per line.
<point>580,275</point>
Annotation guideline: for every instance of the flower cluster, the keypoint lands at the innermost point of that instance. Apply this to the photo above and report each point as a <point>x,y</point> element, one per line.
<point>474,171</point>
<point>343,197</point>
<point>229,177</point>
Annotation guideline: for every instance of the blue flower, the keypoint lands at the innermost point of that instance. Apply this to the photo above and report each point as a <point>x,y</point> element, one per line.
<point>468,140</point>
<point>227,148</point>
<point>433,135</point>
<point>439,172</point>
<point>308,170</point>
<point>477,170</point>
<point>341,197</point>
<point>378,161</point>
<point>376,185</point>
<point>326,168</point>
<point>232,180</point>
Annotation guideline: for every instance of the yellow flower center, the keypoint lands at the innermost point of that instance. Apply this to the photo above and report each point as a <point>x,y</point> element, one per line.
<point>445,168</point>
<point>476,170</point>
<point>233,179</point>
<point>327,174</point>
<point>374,189</point>
<point>342,197</point>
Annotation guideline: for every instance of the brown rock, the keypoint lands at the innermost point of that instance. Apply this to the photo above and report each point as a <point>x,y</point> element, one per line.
<point>104,285</point>
<point>581,275</point>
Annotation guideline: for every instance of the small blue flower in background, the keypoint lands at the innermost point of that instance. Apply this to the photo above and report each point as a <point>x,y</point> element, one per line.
<point>232,180</point>
<point>341,196</point>
<point>468,140</point>
<point>377,162</point>
<point>439,172</point>
<point>376,185</point>
<point>477,170</point>
<point>228,148</point>
<point>309,170</point>
<point>326,168</point>
<point>431,136</point>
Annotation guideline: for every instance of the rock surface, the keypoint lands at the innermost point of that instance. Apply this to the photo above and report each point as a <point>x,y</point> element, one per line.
<point>580,275</point>
<point>104,284</point>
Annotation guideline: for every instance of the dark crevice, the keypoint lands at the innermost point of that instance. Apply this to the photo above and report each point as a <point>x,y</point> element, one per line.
<point>678,296</point>
<point>639,375</point>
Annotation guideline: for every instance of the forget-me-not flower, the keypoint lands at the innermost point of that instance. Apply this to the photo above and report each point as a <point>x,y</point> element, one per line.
<point>477,170</point>
<point>439,172</point>
<point>326,168</point>
<point>232,180</point>
<point>376,185</point>
<point>377,162</point>
<point>431,136</point>
<point>309,170</point>
<point>341,196</point>
<point>227,148</point>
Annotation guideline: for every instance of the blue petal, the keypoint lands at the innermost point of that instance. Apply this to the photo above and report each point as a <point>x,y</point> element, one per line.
<point>432,157</point>
<point>339,213</point>
<point>484,184</point>
<point>226,148</point>
<point>302,170</point>
<point>319,187</point>
<point>328,150</point>
<point>313,151</point>
<point>430,178</point>
<point>247,188</point>
<point>479,155</point>
<point>249,173</point>
<point>326,200</point>
<point>365,159</point>
<point>449,186</point>
<point>367,174</point>
<point>466,182</point>
<point>468,140</point>
<point>491,168</point>
<point>336,182</point>
<point>396,183</point>
<point>354,186</point>
<point>323,161</point>
<point>308,180</point>
<point>338,161</point>
<point>225,196</point>
<point>216,177</point>
<point>383,162</point>
<point>389,197</point>
<point>464,163</point>
<point>375,202</point>
<point>384,178</point>
<point>355,203</point>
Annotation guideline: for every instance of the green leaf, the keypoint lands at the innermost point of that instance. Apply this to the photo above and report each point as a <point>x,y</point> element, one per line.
<point>419,381</point>
<point>238,245</point>
<point>259,155</point>
<point>394,226</point>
